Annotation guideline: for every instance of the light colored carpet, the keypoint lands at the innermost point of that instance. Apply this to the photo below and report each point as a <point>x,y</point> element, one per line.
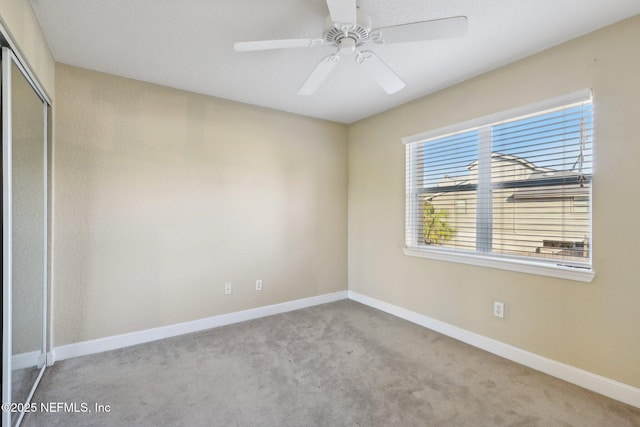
<point>338,364</point>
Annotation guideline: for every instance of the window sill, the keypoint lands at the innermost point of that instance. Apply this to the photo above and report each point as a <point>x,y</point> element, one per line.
<point>541,269</point>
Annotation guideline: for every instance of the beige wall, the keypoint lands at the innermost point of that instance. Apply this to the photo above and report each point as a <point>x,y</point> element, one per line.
<point>18,19</point>
<point>162,196</point>
<point>593,326</point>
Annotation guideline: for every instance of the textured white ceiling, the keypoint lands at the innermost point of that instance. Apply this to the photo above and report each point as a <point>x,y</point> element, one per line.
<point>188,44</point>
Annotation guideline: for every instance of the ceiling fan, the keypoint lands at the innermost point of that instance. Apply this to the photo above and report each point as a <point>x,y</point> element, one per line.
<point>348,29</point>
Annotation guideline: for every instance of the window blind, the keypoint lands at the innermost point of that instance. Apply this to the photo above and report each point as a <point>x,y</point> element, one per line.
<point>514,186</point>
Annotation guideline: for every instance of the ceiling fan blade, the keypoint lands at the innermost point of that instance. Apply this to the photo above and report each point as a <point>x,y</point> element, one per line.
<point>342,11</point>
<point>424,30</point>
<point>319,75</point>
<point>276,44</point>
<point>379,71</point>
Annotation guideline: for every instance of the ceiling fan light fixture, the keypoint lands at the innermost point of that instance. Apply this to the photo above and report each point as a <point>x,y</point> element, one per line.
<point>348,29</point>
<point>347,45</point>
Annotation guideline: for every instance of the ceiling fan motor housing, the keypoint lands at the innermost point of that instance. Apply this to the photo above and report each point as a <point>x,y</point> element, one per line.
<point>347,36</point>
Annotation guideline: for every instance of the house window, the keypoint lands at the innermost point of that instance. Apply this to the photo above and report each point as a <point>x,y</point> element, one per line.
<point>461,206</point>
<point>580,205</point>
<point>506,190</point>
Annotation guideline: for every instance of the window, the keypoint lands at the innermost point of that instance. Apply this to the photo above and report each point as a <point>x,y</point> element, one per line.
<point>512,190</point>
<point>461,206</point>
<point>581,204</point>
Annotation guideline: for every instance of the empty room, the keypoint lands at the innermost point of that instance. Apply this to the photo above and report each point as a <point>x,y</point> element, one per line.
<point>320,213</point>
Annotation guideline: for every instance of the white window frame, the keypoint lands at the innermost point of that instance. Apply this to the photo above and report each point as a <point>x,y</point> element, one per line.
<point>519,264</point>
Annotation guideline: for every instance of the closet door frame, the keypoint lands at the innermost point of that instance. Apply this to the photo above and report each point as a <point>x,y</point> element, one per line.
<point>10,417</point>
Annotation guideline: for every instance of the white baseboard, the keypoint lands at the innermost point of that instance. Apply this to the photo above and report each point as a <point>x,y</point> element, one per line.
<point>599,384</point>
<point>125,340</point>
<point>26,360</point>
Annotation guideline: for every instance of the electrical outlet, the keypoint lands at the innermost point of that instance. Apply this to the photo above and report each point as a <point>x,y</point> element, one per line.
<point>227,288</point>
<point>498,309</point>
<point>258,285</point>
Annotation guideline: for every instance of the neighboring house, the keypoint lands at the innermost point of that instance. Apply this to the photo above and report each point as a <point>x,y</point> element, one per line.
<point>536,211</point>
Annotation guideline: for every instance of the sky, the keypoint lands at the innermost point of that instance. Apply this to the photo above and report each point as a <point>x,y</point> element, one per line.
<point>549,140</point>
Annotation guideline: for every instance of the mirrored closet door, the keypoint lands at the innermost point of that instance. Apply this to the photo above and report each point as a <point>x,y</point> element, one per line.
<point>24,237</point>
